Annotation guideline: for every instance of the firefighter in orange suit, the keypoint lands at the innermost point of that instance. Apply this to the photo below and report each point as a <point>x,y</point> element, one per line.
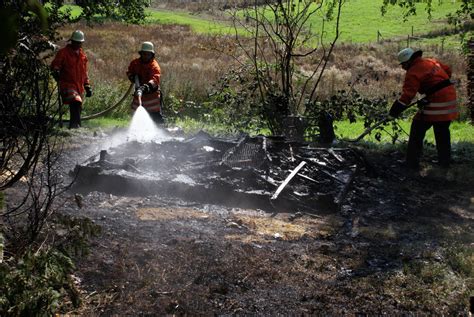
<point>437,109</point>
<point>69,68</point>
<point>148,72</point>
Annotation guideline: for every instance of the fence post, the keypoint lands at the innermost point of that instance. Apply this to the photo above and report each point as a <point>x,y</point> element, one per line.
<point>378,36</point>
<point>412,30</point>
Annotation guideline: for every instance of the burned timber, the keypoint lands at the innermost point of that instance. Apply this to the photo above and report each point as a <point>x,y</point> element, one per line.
<point>268,173</point>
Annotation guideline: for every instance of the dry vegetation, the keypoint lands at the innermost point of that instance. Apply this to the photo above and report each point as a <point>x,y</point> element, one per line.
<point>185,65</point>
<point>191,63</point>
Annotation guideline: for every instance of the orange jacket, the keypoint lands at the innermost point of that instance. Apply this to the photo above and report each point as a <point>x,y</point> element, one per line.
<point>423,74</point>
<point>72,67</point>
<point>149,73</point>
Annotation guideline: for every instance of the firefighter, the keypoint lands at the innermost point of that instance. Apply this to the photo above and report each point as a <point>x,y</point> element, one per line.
<point>437,109</point>
<point>146,73</point>
<point>69,68</point>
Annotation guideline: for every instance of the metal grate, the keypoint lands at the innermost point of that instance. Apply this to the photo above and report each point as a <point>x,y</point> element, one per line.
<point>248,153</point>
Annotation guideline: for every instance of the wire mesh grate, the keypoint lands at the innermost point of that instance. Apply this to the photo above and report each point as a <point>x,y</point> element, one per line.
<point>248,153</point>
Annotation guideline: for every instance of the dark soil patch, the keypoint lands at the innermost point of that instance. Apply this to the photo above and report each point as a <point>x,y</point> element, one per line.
<point>401,243</point>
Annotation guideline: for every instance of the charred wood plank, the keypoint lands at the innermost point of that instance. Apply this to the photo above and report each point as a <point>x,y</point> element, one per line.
<point>308,178</point>
<point>342,195</point>
<point>287,180</point>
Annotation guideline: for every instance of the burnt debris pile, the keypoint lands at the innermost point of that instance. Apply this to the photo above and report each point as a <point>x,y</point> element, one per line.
<point>268,173</point>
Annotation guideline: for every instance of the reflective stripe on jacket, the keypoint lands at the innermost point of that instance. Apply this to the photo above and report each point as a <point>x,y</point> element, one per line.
<point>69,94</point>
<point>151,102</point>
<point>72,67</point>
<point>149,73</point>
<point>423,74</point>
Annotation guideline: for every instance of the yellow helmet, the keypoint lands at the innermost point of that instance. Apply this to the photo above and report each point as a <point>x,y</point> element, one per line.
<point>77,36</point>
<point>147,47</point>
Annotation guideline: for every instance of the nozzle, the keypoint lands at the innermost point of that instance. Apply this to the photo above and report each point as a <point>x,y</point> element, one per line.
<point>139,92</point>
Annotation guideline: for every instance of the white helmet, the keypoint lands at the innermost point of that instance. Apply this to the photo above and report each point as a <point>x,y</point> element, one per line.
<point>147,47</point>
<point>77,36</point>
<point>405,55</point>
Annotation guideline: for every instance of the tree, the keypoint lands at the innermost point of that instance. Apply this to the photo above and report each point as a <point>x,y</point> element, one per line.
<point>29,147</point>
<point>276,38</point>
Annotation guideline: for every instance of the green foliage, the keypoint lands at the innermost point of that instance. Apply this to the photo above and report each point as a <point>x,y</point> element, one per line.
<point>74,234</point>
<point>131,11</point>
<point>237,102</point>
<point>11,20</point>
<point>352,106</point>
<point>34,284</point>
<point>461,260</point>
<point>39,283</point>
<point>107,94</point>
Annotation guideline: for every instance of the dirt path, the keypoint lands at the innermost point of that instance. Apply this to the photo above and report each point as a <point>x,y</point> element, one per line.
<point>402,243</point>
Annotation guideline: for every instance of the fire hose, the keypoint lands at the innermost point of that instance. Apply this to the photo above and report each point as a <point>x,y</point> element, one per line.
<point>440,85</point>
<point>381,122</point>
<point>103,112</point>
<point>95,115</point>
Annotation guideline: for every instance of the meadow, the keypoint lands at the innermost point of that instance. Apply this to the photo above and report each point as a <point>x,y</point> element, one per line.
<point>362,21</point>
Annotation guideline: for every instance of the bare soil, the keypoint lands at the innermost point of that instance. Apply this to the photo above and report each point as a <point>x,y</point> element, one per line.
<point>402,243</point>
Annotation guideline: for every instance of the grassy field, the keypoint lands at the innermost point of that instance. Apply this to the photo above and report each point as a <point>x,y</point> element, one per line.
<point>360,22</point>
<point>196,23</point>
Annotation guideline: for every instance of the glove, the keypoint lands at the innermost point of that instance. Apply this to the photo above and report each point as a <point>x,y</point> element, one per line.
<point>88,90</point>
<point>396,109</point>
<point>422,103</point>
<point>146,88</point>
<point>55,74</point>
<point>131,77</point>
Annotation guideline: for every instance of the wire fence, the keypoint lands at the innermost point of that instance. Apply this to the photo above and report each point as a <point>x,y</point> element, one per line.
<point>409,40</point>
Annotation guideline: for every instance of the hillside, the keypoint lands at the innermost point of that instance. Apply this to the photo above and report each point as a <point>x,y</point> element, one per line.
<point>361,20</point>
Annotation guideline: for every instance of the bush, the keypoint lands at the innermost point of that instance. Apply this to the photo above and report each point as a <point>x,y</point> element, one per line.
<point>35,284</point>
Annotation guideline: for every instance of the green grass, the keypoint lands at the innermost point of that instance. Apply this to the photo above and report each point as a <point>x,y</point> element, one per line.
<point>74,11</point>
<point>360,21</point>
<point>461,132</point>
<point>106,122</point>
<point>197,24</point>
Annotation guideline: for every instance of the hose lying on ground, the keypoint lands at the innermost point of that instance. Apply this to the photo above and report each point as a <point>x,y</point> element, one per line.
<point>96,115</point>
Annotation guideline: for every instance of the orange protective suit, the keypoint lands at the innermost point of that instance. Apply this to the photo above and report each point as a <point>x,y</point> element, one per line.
<point>72,67</point>
<point>148,73</point>
<point>422,75</point>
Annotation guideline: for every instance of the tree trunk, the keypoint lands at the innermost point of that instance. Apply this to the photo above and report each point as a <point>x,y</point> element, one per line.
<point>470,78</point>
